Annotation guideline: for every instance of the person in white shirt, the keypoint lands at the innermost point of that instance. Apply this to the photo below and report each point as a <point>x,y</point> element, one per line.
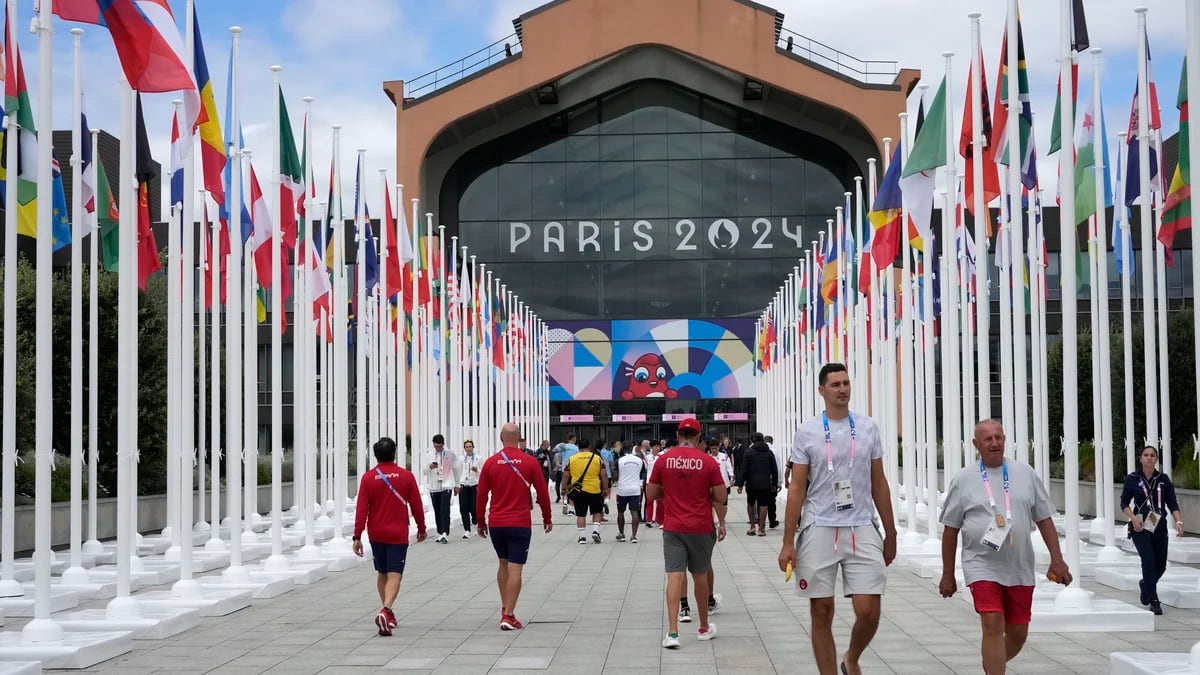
<point>650,516</point>
<point>837,488</point>
<point>442,473</point>
<point>631,481</point>
<point>725,462</point>
<point>467,487</point>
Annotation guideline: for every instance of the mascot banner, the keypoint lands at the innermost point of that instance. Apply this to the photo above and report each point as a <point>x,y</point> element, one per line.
<point>645,359</point>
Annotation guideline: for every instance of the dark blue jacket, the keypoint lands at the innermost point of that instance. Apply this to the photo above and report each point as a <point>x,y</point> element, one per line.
<point>1137,486</point>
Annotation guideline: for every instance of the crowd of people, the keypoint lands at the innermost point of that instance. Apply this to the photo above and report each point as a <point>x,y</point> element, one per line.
<point>837,521</point>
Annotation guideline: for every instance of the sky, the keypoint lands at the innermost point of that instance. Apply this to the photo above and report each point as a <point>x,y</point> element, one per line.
<point>341,51</point>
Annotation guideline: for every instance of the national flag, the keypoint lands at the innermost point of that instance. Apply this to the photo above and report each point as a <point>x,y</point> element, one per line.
<point>1080,43</point>
<point>108,222</point>
<point>212,144</point>
<point>148,262</point>
<point>247,222</point>
<point>87,176</point>
<point>328,232</point>
<point>264,229</point>
<point>1177,209</point>
<point>17,106</point>
<point>291,177</point>
<point>830,270</point>
<point>60,228</point>
<point>178,158</point>
<point>363,233</point>
<point>395,282</point>
<point>918,176</point>
<point>1024,137</point>
<point>991,179</point>
<point>1133,182</point>
<point>148,45</point>
<point>1085,164</point>
<point>885,214</point>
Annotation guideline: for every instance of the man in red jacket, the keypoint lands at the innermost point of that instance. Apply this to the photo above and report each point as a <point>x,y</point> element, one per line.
<point>506,478</point>
<point>383,502</point>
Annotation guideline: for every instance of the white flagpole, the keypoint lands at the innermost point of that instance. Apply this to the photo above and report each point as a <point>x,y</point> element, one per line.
<point>9,586</point>
<point>250,390</point>
<point>123,606</point>
<point>1146,218</point>
<point>1164,361</point>
<point>1192,14</point>
<point>234,316</point>
<point>1100,336</point>
<point>1018,387</point>
<point>92,545</point>
<point>952,392</point>
<point>305,416</point>
<point>75,573</point>
<point>213,230</point>
<point>360,325</point>
<point>42,628</point>
<point>1121,215</point>
<point>401,356</point>
<point>186,586</point>
<point>1072,597</point>
<point>443,362</point>
<point>203,267</point>
<point>908,429</point>
<point>339,367</point>
<point>982,307</point>
<point>276,562</point>
<point>450,361</point>
<point>174,374</point>
<point>384,351</point>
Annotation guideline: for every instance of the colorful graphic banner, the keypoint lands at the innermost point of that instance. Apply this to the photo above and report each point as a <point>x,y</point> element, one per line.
<point>645,359</point>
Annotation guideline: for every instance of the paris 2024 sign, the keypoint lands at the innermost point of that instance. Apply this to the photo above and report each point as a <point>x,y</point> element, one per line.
<point>648,359</point>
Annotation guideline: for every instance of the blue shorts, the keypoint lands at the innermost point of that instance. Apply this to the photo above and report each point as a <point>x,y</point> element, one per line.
<point>389,558</point>
<point>511,543</point>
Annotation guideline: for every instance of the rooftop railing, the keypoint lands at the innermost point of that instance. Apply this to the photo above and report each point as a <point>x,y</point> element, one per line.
<point>869,72</point>
<point>490,55</point>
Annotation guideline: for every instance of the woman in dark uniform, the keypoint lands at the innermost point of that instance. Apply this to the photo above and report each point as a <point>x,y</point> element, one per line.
<point>1147,498</point>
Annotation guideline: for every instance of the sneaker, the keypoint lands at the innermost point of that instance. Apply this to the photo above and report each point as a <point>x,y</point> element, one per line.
<point>633,540</point>
<point>509,622</point>
<point>706,634</point>
<point>1156,607</point>
<point>685,615</point>
<point>466,535</point>
<point>564,509</point>
<point>596,537</point>
<point>774,524</point>
<point>671,641</point>
<point>583,540</point>
<point>383,623</point>
<point>620,537</point>
<point>714,603</point>
<point>391,617</point>
<point>444,539</point>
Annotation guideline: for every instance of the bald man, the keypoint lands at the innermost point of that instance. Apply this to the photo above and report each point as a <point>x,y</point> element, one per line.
<point>996,503</point>
<point>505,479</point>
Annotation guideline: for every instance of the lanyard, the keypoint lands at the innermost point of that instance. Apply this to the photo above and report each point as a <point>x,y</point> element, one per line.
<point>988,486</point>
<point>388,483</point>
<point>1146,489</point>
<point>829,441</point>
<point>514,468</point>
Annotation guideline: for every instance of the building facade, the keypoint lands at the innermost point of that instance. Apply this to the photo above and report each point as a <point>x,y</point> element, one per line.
<point>645,186</point>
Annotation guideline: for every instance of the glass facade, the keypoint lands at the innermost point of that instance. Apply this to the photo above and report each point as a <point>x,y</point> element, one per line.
<point>651,201</point>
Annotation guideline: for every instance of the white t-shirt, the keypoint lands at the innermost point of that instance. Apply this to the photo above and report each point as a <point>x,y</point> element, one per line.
<point>809,448</point>
<point>630,470</point>
<point>968,509</point>
<point>726,464</point>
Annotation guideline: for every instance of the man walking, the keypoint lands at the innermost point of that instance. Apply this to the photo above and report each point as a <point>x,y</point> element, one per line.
<point>772,513</point>
<point>690,484</point>
<point>468,487</point>
<point>760,477</point>
<point>442,472</point>
<point>631,480</point>
<point>652,507</point>
<point>382,508</point>
<point>997,553</point>
<point>504,482</point>
<point>570,449</point>
<point>586,484</point>
<point>837,486</point>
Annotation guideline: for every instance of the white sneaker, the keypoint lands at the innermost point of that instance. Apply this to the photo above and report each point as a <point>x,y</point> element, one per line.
<point>633,540</point>
<point>670,642</point>
<point>706,635</point>
<point>582,540</point>
<point>685,615</point>
<point>715,603</point>
<point>466,535</point>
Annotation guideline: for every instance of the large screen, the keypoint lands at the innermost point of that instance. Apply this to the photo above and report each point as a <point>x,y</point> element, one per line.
<point>647,359</point>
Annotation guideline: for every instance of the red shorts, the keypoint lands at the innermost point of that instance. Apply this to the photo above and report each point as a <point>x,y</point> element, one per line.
<point>1014,602</point>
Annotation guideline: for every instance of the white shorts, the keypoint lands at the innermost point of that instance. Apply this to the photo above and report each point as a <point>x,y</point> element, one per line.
<point>857,550</point>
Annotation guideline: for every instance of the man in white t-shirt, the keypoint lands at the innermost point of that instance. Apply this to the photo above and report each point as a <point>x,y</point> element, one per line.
<point>837,485</point>
<point>631,479</point>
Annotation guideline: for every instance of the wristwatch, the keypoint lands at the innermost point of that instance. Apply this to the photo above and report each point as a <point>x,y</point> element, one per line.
<point>355,538</point>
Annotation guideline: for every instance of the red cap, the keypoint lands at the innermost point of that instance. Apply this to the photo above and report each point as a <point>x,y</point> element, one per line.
<point>690,424</point>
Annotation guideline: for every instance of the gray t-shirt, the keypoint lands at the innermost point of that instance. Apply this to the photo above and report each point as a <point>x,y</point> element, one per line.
<point>809,448</point>
<point>967,508</point>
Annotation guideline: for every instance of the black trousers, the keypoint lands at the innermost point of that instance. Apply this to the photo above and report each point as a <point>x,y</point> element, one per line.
<point>466,506</point>
<point>441,510</point>
<point>1152,549</point>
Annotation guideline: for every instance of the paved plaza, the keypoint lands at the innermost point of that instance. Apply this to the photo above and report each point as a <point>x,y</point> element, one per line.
<point>599,609</point>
